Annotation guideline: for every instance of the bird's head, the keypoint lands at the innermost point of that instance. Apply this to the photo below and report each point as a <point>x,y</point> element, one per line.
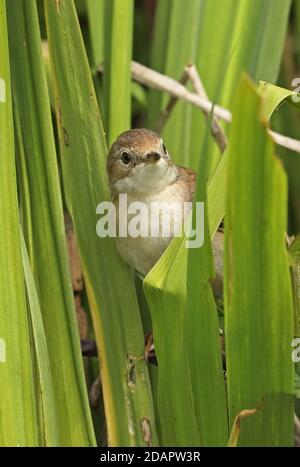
<point>139,163</point>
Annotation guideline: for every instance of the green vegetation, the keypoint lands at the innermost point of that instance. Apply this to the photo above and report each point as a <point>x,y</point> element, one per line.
<point>69,91</point>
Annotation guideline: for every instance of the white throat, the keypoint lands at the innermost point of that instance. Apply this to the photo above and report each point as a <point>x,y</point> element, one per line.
<point>147,178</point>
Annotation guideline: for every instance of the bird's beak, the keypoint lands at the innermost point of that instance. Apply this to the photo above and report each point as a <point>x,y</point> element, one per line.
<point>153,156</point>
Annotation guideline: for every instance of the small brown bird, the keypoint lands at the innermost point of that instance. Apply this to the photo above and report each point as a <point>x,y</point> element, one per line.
<point>140,166</point>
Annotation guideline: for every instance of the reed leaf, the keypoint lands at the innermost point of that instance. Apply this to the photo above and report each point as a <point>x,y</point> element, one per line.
<point>96,14</point>
<point>175,401</point>
<point>258,298</point>
<point>275,96</point>
<point>117,70</point>
<point>17,405</point>
<point>43,211</point>
<point>222,42</point>
<point>109,283</point>
<point>49,426</point>
<point>162,277</point>
<point>180,32</point>
<point>203,335</point>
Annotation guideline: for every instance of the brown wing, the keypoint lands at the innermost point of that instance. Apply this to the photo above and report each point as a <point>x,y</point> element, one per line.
<point>188,178</point>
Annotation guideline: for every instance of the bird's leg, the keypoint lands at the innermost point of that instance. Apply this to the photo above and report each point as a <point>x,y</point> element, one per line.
<point>150,355</point>
<point>88,348</point>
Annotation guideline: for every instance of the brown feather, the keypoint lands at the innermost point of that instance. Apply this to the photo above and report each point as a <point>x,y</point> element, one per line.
<point>187,179</point>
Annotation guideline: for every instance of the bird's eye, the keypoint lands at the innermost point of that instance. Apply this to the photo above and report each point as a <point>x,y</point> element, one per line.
<point>126,158</point>
<point>165,149</point>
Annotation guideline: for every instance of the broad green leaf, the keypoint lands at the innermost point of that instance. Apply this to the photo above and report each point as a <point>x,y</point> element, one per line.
<point>175,47</point>
<point>95,13</point>
<point>274,96</point>
<point>296,288</point>
<point>247,35</point>
<point>287,120</point>
<point>165,288</point>
<point>222,42</point>
<point>117,71</point>
<point>161,273</point>
<point>109,283</point>
<point>294,251</point>
<point>49,424</point>
<point>159,54</point>
<point>174,391</point>
<point>46,241</point>
<point>18,414</point>
<point>202,337</point>
<point>258,299</point>
<point>294,261</point>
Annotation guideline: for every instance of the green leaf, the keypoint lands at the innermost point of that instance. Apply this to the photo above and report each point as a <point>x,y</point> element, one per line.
<point>43,211</point>
<point>166,297</point>
<point>109,282</point>
<point>49,426</point>
<point>203,326</point>
<point>274,96</point>
<point>258,298</point>
<point>95,13</point>
<point>185,344</point>
<point>294,262</point>
<point>17,406</point>
<point>222,42</point>
<point>117,70</point>
<point>175,45</point>
<point>294,251</point>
